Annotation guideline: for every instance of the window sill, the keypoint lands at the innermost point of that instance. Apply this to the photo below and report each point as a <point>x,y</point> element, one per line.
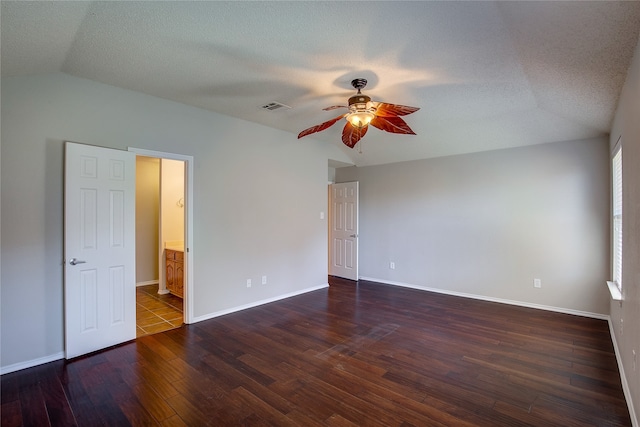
<point>616,295</point>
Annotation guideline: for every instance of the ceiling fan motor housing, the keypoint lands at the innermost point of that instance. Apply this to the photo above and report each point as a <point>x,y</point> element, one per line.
<point>359,100</point>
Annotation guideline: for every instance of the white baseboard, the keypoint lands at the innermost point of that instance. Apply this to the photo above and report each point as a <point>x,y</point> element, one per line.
<point>623,377</point>
<point>148,282</point>
<point>491,299</point>
<point>257,303</point>
<point>31,363</point>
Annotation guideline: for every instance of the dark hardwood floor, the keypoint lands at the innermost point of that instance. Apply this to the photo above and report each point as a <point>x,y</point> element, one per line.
<point>352,355</point>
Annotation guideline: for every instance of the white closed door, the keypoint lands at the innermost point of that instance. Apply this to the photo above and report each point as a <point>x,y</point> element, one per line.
<point>99,248</point>
<point>343,250</point>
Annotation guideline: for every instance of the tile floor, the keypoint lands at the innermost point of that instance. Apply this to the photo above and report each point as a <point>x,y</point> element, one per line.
<point>156,313</point>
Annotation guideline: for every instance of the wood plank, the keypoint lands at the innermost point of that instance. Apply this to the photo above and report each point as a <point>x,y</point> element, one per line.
<point>354,354</point>
<point>55,400</point>
<point>174,421</point>
<point>11,414</point>
<point>34,409</point>
<point>152,402</point>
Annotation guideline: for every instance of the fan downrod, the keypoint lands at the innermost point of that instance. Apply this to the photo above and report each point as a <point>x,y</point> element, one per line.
<point>359,84</point>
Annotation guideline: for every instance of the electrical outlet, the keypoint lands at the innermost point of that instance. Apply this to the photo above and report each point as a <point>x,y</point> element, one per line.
<point>248,283</point>
<point>392,265</point>
<point>264,280</point>
<point>537,283</point>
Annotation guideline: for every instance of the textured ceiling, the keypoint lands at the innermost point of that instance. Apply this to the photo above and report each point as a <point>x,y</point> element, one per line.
<point>486,75</point>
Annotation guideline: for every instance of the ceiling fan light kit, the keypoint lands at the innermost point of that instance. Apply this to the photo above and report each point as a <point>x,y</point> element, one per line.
<point>361,110</point>
<point>362,113</point>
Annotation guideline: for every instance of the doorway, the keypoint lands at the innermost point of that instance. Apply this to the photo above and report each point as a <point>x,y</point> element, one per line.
<point>343,230</point>
<point>163,233</point>
<point>99,245</point>
<point>160,229</point>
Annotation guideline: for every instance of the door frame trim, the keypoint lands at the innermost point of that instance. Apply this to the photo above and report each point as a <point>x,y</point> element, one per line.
<point>188,242</point>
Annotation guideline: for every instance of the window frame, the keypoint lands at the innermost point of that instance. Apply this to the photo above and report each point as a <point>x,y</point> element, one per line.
<point>616,214</point>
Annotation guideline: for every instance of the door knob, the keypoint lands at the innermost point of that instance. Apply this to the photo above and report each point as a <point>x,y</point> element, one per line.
<point>74,261</point>
<point>353,235</point>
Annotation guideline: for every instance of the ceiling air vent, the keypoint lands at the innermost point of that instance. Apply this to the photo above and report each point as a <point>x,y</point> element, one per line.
<point>273,106</point>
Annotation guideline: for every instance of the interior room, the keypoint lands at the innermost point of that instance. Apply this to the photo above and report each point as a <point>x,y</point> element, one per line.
<point>159,244</point>
<point>175,177</point>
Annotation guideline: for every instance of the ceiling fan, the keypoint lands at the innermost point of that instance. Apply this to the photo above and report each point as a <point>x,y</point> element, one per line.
<point>364,112</point>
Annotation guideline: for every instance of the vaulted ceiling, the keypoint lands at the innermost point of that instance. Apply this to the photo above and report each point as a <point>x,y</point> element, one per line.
<point>486,75</point>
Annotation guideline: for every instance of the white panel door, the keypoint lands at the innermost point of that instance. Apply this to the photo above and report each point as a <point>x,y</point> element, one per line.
<point>343,250</point>
<point>99,248</point>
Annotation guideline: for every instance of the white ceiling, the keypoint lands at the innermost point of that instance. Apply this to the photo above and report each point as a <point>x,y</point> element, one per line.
<point>486,75</point>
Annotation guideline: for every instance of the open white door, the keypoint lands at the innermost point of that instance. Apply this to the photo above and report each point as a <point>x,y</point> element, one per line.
<point>99,248</point>
<point>343,250</point>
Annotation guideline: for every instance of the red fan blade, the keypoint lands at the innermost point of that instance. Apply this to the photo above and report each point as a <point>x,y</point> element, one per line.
<point>318,128</point>
<point>392,124</point>
<point>392,110</point>
<point>334,107</point>
<point>352,134</point>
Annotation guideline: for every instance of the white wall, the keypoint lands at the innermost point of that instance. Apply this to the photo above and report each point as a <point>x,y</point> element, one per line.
<point>172,196</point>
<point>627,125</point>
<point>147,218</point>
<point>257,197</point>
<point>487,224</point>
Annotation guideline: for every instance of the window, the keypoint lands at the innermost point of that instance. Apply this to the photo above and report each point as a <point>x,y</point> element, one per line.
<point>616,168</point>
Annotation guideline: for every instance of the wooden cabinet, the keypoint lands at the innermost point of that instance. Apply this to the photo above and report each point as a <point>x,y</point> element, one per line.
<point>174,267</point>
